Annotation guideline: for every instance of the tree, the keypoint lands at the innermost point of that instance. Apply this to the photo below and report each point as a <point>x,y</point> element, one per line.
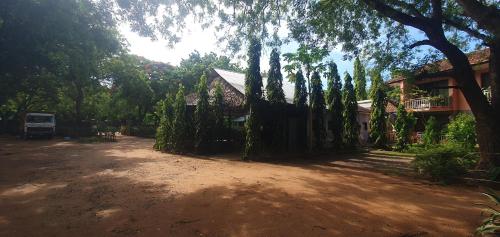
<point>202,117</point>
<point>300,93</point>
<point>431,134</point>
<point>378,120</point>
<point>65,46</point>
<point>165,111</point>
<point>445,28</point>
<point>461,130</point>
<point>403,125</point>
<point>388,31</point>
<point>350,114</point>
<point>218,108</point>
<point>130,87</point>
<point>193,67</point>
<point>274,87</point>
<point>307,56</point>
<point>318,108</point>
<point>334,102</point>
<point>253,97</point>
<point>179,123</point>
<point>359,80</point>
<point>276,98</point>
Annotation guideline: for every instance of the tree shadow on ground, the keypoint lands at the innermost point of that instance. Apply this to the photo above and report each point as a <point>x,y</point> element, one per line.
<point>58,189</point>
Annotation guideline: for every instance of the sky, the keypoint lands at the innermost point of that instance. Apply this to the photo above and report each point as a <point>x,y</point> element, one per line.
<point>204,41</point>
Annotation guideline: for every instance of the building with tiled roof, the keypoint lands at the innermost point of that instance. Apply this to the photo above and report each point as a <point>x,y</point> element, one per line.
<point>434,92</point>
<point>233,85</point>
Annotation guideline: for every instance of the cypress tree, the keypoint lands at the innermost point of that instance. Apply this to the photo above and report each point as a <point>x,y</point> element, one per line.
<point>276,98</point>
<point>169,113</point>
<point>274,88</point>
<point>160,137</point>
<point>253,96</point>
<point>378,122</point>
<point>300,93</point>
<point>218,106</point>
<point>179,124</point>
<point>164,130</point>
<point>359,80</point>
<point>350,114</point>
<point>334,102</point>
<point>431,133</point>
<point>300,100</point>
<point>318,108</point>
<point>202,117</point>
<point>403,124</point>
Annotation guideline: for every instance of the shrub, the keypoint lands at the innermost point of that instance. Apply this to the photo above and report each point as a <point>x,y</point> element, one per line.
<point>431,133</point>
<point>418,148</point>
<point>143,131</point>
<point>403,125</point>
<point>462,130</point>
<point>180,124</point>
<point>490,225</point>
<point>444,162</point>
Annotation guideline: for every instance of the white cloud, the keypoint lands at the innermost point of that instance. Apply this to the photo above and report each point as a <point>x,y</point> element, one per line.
<point>205,41</point>
<point>195,38</point>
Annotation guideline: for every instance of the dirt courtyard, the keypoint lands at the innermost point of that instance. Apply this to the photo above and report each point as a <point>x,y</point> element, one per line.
<point>60,188</point>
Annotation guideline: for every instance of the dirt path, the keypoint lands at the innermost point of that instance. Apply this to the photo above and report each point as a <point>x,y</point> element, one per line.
<point>57,188</point>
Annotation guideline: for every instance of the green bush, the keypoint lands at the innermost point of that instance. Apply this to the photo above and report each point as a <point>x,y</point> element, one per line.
<point>143,131</point>
<point>431,134</point>
<point>462,130</point>
<point>490,225</point>
<point>444,162</point>
<point>418,148</point>
<point>403,126</point>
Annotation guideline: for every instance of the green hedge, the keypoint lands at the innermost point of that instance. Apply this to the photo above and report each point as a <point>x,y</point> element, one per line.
<point>138,131</point>
<point>445,162</point>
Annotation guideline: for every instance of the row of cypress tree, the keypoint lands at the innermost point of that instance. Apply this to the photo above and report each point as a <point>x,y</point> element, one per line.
<point>341,103</point>
<point>174,131</point>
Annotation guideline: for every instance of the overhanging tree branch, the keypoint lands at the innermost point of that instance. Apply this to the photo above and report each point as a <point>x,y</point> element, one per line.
<point>437,10</point>
<point>487,17</point>
<point>464,28</point>
<point>396,15</point>
<point>411,9</point>
<point>420,43</point>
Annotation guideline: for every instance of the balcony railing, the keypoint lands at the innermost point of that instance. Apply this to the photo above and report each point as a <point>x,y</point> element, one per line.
<point>427,103</point>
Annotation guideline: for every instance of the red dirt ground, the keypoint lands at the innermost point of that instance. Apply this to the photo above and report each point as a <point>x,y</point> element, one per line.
<point>59,188</point>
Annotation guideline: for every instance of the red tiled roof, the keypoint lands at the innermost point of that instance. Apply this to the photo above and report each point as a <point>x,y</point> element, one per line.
<point>476,57</point>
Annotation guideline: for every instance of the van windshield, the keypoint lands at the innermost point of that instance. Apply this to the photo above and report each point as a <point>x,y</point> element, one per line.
<point>39,119</point>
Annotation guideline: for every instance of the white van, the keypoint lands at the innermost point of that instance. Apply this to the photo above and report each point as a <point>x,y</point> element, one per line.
<point>39,124</point>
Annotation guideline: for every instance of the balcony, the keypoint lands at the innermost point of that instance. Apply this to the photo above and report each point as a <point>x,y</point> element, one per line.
<point>428,103</point>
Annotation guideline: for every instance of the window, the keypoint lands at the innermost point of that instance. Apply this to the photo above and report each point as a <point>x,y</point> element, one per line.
<point>438,88</point>
<point>365,126</point>
<point>39,119</point>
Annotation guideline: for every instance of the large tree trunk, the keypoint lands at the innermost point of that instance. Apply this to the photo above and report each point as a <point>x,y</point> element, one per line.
<point>489,140</point>
<point>494,77</point>
<point>486,115</point>
<point>488,129</point>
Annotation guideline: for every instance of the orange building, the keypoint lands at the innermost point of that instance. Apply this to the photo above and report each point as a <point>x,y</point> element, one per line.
<point>434,92</point>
